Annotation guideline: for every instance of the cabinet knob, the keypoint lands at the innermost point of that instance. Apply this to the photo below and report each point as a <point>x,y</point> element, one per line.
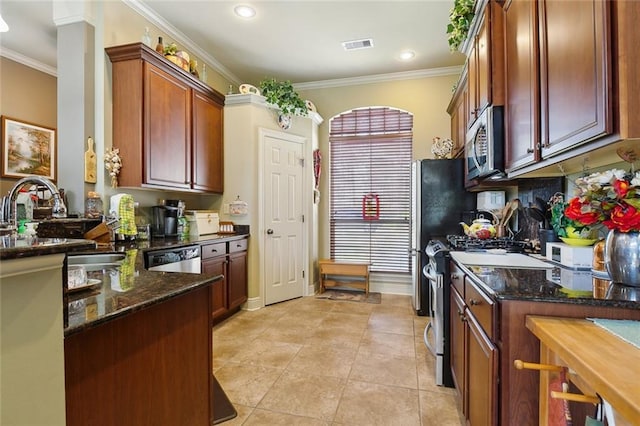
<point>455,276</point>
<point>530,150</point>
<point>269,231</point>
<point>473,302</point>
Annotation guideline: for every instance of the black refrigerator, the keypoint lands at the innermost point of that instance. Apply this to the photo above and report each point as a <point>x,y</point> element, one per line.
<point>438,201</point>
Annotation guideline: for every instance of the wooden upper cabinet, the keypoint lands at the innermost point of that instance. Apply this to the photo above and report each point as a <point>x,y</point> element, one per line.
<point>166,123</point>
<point>575,73</point>
<point>485,62</point>
<point>207,144</point>
<point>522,104</point>
<point>167,129</point>
<point>458,109</point>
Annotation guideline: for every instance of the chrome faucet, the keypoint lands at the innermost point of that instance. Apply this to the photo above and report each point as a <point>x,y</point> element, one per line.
<point>8,207</point>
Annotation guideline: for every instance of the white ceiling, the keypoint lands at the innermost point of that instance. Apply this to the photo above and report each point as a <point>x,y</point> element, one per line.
<point>293,40</point>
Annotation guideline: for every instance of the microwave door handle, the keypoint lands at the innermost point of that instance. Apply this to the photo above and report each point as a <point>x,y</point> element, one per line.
<point>473,150</point>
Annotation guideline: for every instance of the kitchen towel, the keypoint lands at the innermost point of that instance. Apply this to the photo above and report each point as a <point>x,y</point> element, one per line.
<point>126,214</point>
<point>627,330</point>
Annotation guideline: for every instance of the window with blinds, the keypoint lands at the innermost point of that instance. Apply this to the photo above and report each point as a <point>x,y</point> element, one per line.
<point>370,165</point>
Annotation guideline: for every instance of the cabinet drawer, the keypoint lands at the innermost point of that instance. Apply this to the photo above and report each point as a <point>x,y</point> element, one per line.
<point>238,245</point>
<point>480,306</point>
<point>213,250</point>
<point>457,278</point>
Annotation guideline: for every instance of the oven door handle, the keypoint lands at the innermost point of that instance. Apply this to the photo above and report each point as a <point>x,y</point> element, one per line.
<point>430,276</point>
<point>427,343</point>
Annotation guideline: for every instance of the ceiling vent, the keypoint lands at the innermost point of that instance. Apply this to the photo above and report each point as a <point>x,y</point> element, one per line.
<point>357,44</point>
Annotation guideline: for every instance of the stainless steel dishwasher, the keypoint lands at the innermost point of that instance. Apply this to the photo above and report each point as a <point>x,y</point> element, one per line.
<point>179,259</point>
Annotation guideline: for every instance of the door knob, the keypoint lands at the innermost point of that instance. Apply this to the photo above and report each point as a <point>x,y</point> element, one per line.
<point>269,231</point>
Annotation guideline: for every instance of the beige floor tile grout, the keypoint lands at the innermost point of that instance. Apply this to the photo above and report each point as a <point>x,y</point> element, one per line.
<point>383,321</point>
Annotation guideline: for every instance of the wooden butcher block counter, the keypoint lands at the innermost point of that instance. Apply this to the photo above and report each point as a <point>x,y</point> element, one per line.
<point>599,362</point>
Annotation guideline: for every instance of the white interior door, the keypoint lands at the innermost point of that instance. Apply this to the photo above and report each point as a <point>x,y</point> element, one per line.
<point>283,255</point>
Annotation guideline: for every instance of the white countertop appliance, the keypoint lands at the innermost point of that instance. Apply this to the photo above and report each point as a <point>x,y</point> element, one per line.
<point>570,256</point>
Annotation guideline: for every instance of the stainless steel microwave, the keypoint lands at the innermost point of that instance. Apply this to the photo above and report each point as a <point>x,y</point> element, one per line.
<point>484,147</point>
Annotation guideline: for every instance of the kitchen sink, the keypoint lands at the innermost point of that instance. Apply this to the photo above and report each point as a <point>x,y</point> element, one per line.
<point>97,261</point>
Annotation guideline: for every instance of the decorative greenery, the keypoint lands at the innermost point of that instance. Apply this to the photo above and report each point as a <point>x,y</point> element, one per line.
<point>562,224</point>
<point>283,96</point>
<point>460,19</point>
<point>170,49</point>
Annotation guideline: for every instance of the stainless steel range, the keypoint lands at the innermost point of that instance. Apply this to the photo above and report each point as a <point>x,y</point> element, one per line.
<point>437,272</point>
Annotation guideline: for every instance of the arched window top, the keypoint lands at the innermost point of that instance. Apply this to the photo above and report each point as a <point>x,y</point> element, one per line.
<point>371,121</point>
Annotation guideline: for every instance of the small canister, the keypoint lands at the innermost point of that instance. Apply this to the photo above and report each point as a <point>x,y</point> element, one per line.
<point>600,286</point>
<point>93,206</point>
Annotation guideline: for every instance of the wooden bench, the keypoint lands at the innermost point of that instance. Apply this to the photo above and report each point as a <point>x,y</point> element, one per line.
<point>335,269</point>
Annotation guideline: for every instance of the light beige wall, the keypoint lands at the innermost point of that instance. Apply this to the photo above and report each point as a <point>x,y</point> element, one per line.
<point>26,94</point>
<point>122,25</point>
<point>242,124</point>
<point>426,98</point>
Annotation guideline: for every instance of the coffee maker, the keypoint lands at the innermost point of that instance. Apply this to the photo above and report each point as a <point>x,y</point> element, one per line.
<point>165,219</point>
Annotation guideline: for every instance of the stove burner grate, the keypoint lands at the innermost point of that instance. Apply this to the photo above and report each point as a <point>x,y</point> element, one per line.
<point>464,243</point>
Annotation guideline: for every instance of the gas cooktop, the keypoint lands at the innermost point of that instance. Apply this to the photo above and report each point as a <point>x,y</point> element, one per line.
<point>464,243</point>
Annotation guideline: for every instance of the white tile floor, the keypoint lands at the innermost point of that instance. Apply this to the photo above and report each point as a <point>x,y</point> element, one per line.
<point>321,362</point>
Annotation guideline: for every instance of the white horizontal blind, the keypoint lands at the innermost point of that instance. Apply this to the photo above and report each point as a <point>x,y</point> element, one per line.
<point>371,151</point>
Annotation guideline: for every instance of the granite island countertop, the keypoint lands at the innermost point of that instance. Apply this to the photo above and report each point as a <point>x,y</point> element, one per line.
<point>556,284</point>
<point>16,248</point>
<point>118,290</point>
<point>124,289</point>
<point>130,287</point>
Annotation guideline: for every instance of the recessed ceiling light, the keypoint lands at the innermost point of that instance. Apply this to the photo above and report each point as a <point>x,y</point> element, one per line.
<point>245,11</point>
<point>407,55</point>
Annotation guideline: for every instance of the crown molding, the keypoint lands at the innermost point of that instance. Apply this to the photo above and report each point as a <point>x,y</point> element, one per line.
<point>25,60</point>
<point>378,78</point>
<point>181,38</point>
<point>252,98</point>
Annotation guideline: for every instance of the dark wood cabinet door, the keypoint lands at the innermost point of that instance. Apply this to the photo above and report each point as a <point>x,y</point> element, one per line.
<point>457,346</point>
<point>167,142</point>
<point>482,380</point>
<point>458,109</point>
<point>237,279</point>
<point>218,266</point>
<point>522,106</point>
<point>472,86</point>
<point>208,173</point>
<point>575,73</point>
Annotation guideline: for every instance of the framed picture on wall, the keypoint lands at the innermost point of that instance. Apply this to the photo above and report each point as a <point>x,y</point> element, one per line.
<point>28,149</point>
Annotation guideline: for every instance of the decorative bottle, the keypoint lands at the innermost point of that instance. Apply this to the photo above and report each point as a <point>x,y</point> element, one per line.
<point>160,46</point>
<point>146,37</point>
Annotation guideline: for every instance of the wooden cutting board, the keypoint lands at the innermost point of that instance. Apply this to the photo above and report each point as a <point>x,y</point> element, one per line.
<point>90,164</point>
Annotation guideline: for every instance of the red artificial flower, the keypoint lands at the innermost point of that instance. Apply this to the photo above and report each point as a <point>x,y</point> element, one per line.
<point>581,212</point>
<point>621,188</point>
<point>624,218</point>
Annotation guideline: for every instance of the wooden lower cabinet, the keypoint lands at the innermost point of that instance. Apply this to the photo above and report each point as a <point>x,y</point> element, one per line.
<point>237,279</point>
<point>488,335</point>
<point>482,381</point>
<point>218,266</point>
<point>474,364</point>
<point>230,260</point>
<point>458,335</point>
<point>151,367</point>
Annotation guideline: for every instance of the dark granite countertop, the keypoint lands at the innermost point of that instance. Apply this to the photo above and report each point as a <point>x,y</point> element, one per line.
<point>119,290</point>
<point>125,289</point>
<point>557,285</point>
<point>15,248</point>
<point>130,287</point>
